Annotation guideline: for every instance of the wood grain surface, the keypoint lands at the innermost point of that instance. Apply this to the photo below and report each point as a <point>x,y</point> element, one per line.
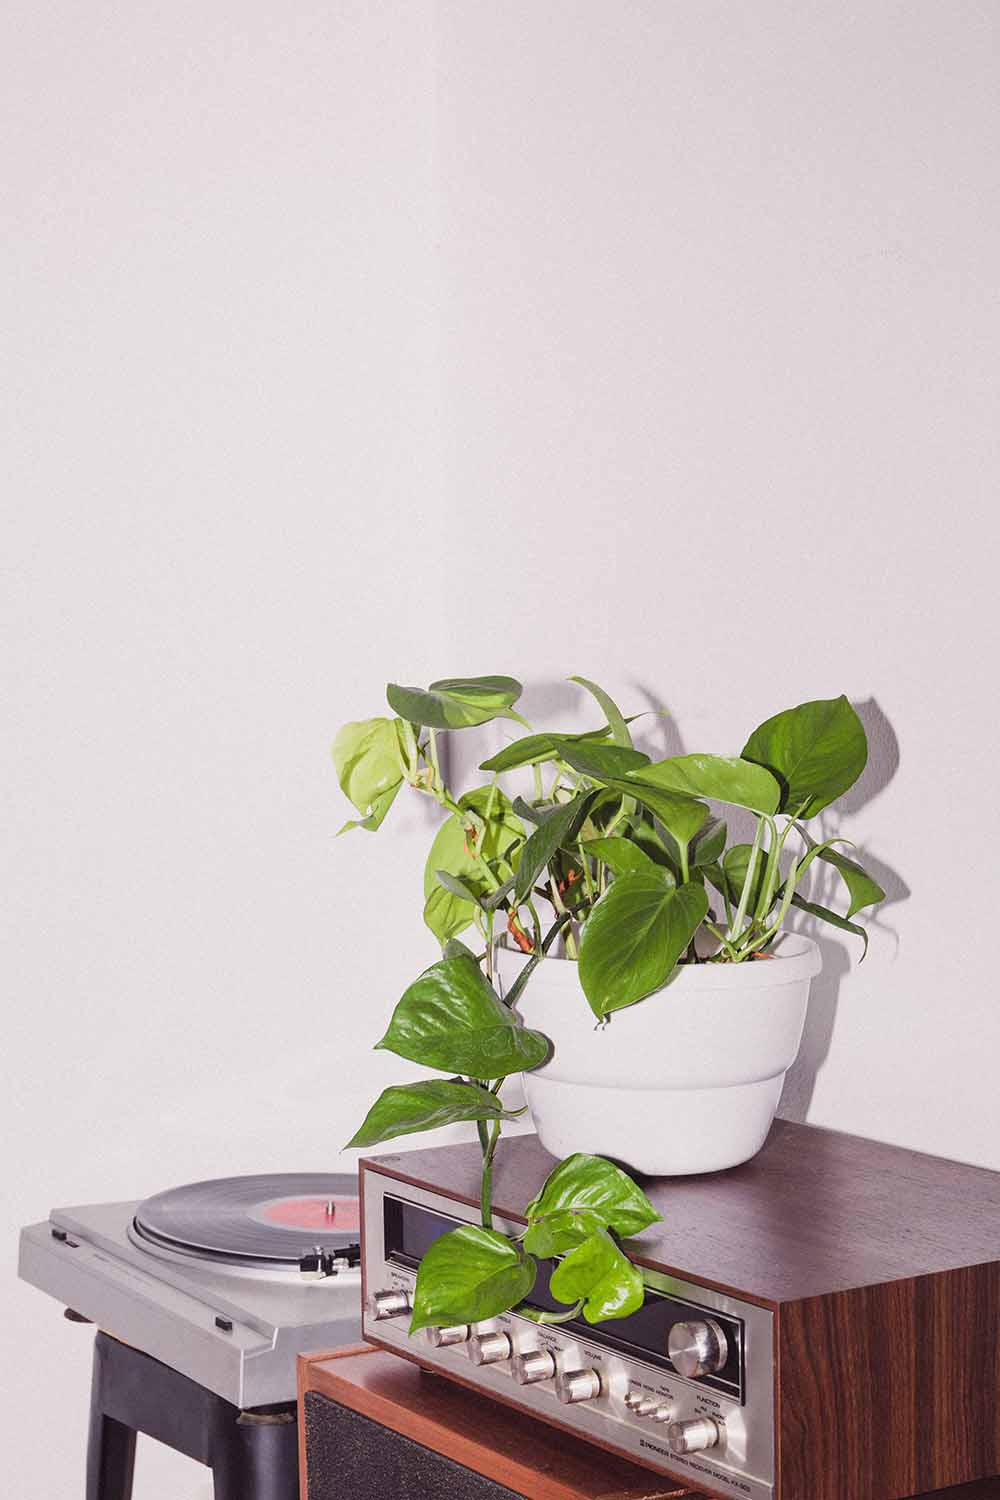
<point>815,1212</point>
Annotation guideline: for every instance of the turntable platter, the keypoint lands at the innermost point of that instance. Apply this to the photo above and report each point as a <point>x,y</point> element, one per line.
<point>272,1220</point>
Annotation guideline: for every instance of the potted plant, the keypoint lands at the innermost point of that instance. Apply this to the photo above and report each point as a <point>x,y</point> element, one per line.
<point>609,881</point>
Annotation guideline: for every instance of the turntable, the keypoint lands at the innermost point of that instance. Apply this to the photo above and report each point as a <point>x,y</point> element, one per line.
<point>204,1296</point>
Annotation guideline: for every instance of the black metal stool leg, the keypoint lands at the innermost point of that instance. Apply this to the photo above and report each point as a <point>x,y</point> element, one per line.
<point>110,1445</point>
<point>256,1458</point>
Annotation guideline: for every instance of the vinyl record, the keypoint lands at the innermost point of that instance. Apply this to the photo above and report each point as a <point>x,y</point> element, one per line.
<point>275,1219</point>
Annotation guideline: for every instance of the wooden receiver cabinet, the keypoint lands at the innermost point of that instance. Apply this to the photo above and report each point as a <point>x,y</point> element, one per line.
<point>876,1268</point>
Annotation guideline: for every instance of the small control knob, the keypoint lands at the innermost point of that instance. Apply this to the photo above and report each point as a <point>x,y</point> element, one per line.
<point>664,1412</point>
<point>640,1405</point>
<point>394,1303</point>
<point>490,1348</point>
<point>694,1436</point>
<point>697,1348</point>
<point>440,1338</point>
<point>535,1364</point>
<point>578,1385</point>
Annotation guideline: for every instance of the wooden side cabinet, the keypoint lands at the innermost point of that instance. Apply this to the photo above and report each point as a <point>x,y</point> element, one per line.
<point>373,1426</point>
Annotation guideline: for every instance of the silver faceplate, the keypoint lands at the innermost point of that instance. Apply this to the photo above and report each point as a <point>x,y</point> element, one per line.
<point>743,1468</point>
<point>167,1306</point>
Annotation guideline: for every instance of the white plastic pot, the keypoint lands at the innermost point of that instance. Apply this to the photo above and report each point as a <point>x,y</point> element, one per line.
<point>685,1081</point>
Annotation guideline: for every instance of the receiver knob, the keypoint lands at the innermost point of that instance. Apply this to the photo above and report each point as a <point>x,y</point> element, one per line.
<point>440,1338</point>
<point>490,1348</point>
<point>389,1304</point>
<point>695,1435</point>
<point>697,1348</point>
<point>536,1364</point>
<point>578,1385</point>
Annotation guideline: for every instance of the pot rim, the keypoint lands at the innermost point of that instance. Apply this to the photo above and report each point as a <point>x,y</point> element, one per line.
<point>796,957</point>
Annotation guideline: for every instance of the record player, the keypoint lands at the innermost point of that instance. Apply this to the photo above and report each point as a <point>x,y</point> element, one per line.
<point>225,1282</point>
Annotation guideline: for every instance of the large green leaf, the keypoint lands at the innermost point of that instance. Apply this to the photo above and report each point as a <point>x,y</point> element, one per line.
<point>408,1107</point>
<point>452,1019</point>
<point>634,937</point>
<point>468,1275</point>
<point>816,751</point>
<point>616,721</point>
<point>862,889</point>
<point>456,702</point>
<point>681,816</point>
<point>593,1183</point>
<point>600,1274</point>
<point>724,778</point>
<point>623,857</point>
<point>603,762</point>
<point>445,911</point>
<point>368,757</point>
<point>558,827</point>
<point>824,914</point>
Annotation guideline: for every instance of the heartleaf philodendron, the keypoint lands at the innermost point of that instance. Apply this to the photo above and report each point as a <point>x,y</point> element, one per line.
<point>601,853</point>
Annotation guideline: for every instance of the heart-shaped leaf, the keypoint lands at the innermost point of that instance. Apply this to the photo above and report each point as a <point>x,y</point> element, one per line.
<point>584,1182</point>
<point>602,1275</point>
<point>862,889</point>
<point>468,1275</point>
<point>532,749</point>
<point>408,1107</point>
<point>623,856</point>
<point>634,937</point>
<point>370,766</point>
<point>681,816</point>
<point>449,911</point>
<point>456,702</point>
<point>452,1019</point>
<point>603,762</point>
<point>816,751</point>
<point>724,778</point>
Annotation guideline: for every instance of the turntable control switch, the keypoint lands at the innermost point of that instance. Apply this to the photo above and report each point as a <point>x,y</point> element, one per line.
<point>698,1348</point>
<point>535,1364</point>
<point>389,1304</point>
<point>578,1385</point>
<point>695,1435</point>
<point>490,1348</point>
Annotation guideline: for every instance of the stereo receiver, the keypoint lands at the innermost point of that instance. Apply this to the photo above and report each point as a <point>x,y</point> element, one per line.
<point>822,1323</point>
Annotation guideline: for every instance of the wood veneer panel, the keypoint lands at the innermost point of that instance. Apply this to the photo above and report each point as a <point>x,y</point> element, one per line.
<point>891,1391</point>
<point>816,1211</point>
<point>488,1438</point>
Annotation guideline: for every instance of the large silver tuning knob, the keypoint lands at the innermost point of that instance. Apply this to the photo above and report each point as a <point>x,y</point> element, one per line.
<point>440,1338</point>
<point>389,1304</point>
<point>535,1364</point>
<point>694,1436</point>
<point>697,1348</point>
<point>490,1348</point>
<point>578,1385</point>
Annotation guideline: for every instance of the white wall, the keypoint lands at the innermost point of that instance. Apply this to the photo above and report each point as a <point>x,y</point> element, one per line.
<point>651,341</point>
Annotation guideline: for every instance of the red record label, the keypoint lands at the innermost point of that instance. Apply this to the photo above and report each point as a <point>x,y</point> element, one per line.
<point>313,1213</point>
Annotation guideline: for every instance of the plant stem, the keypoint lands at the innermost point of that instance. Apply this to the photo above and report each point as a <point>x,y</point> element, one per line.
<point>486,1188</point>
<point>741,910</point>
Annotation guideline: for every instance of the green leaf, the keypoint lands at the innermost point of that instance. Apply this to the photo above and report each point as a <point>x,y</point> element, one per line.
<point>456,887</point>
<point>816,751</point>
<point>452,1019</point>
<point>616,722</point>
<point>634,937</point>
<point>559,826</point>
<point>681,816</point>
<point>532,749</point>
<point>623,856</point>
<point>368,758</point>
<point>596,1184</point>
<point>454,949</point>
<point>707,847</point>
<point>724,778</point>
<point>456,702</point>
<point>834,918</point>
<point>600,1273</point>
<point>409,1107</point>
<point>862,889</point>
<point>603,762</point>
<point>557,1232</point>
<point>447,911</point>
<point>731,874</point>
<point>468,1275</point>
